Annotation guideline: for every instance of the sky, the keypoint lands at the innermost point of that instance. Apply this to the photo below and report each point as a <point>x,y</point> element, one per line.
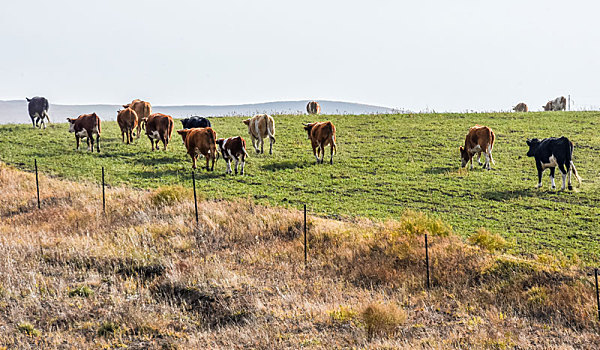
<point>458,55</point>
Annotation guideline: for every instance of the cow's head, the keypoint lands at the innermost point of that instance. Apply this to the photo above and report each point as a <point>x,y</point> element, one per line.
<point>183,133</point>
<point>548,106</point>
<point>247,121</point>
<point>464,156</point>
<point>71,124</point>
<point>533,145</point>
<point>184,122</point>
<point>308,127</point>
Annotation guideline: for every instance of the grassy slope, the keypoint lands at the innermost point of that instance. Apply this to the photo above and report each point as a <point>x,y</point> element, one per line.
<point>385,164</point>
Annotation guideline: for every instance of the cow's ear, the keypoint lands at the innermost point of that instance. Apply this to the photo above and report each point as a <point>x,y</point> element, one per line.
<point>247,121</point>
<point>28,99</point>
<point>528,142</point>
<point>182,131</point>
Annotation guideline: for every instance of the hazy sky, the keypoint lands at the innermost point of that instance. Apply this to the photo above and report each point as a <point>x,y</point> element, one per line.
<point>443,55</point>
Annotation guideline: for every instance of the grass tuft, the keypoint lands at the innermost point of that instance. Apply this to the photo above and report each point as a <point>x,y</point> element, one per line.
<point>487,240</point>
<point>81,291</point>
<point>382,319</point>
<point>27,328</point>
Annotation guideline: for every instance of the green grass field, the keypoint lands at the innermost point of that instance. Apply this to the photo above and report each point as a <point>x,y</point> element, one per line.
<point>385,165</point>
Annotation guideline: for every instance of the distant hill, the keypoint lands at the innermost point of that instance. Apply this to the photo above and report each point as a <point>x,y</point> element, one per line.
<point>16,111</point>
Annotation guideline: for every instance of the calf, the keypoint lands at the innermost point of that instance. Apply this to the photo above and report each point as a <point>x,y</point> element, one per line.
<point>159,127</point>
<point>552,152</point>
<point>38,110</point>
<point>558,104</point>
<point>320,135</point>
<point>259,127</point>
<point>127,120</point>
<point>195,122</point>
<point>200,141</point>
<point>143,110</point>
<point>313,107</point>
<point>521,107</point>
<point>233,148</point>
<point>86,126</point>
<point>479,139</point>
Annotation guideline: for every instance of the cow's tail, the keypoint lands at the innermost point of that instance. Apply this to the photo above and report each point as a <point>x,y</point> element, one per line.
<point>271,129</point>
<point>98,121</point>
<point>170,129</point>
<point>493,138</point>
<point>575,172</point>
<point>332,131</point>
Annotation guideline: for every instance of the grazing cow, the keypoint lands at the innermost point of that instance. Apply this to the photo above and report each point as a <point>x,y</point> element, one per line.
<point>200,141</point>
<point>38,110</point>
<point>195,122</point>
<point>479,139</point>
<point>313,107</point>
<point>558,104</point>
<point>86,126</point>
<point>521,107</point>
<point>159,128</point>
<point>259,127</point>
<point>320,135</point>
<point>127,120</point>
<point>550,153</point>
<point>143,110</point>
<point>233,148</point>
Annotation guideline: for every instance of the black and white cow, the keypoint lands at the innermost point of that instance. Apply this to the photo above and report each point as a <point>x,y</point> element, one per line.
<point>38,110</point>
<point>195,122</point>
<point>550,153</point>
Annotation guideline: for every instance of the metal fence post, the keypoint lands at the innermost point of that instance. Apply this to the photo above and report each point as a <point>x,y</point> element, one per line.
<point>597,295</point>
<point>427,260</point>
<point>305,241</point>
<point>37,183</point>
<point>103,193</point>
<point>195,199</point>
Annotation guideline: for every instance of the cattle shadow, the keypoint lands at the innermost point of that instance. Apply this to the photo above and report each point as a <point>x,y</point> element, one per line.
<point>284,165</point>
<point>439,170</point>
<point>157,161</point>
<point>510,194</point>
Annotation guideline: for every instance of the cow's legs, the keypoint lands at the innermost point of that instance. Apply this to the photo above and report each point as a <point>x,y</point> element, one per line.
<point>237,161</point>
<point>98,143</point>
<point>569,171</point>
<point>552,177</point>
<point>563,172</point>
<point>314,146</point>
<point>214,158</point>
<point>90,142</point>
<point>255,144</point>
<point>262,144</point>
<point>331,158</point>
<point>139,126</point>
<point>487,161</point>
<point>540,171</point>
<point>243,164</point>
<point>228,163</point>
<point>270,145</point>
<point>33,121</point>
<point>77,139</point>
<point>479,157</point>
<point>193,160</point>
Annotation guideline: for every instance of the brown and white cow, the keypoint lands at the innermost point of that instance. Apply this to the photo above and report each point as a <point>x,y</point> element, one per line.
<point>260,127</point>
<point>558,104</point>
<point>127,120</point>
<point>521,107</point>
<point>233,148</point>
<point>143,110</point>
<point>320,135</point>
<point>159,127</point>
<point>86,126</point>
<point>313,107</point>
<point>479,139</point>
<point>200,141</point>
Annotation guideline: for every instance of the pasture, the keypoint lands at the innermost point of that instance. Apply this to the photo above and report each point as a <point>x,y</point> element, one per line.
<point>385,165</point>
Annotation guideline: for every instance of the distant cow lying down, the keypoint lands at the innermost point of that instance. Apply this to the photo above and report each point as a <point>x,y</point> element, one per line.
<point>550,153</point>
<point>86,126</point>
<point>200,141</point>
<point>127,120</point>
<point>233,148</point>
<point>320,135</point>
<point>479,139</point>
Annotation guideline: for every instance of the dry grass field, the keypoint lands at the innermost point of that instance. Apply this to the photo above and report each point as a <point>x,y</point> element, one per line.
<point>145,276</point>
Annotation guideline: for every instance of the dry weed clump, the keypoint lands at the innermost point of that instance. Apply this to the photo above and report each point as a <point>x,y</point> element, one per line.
<point>487,240</point>
<point>145,276</point>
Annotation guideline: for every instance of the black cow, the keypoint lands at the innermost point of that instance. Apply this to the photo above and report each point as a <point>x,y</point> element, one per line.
<point>38,110</point>
<point>195,122</point>
<point>550,153</point>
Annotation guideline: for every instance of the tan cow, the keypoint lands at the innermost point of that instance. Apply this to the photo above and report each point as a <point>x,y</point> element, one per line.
<point>200,141</point>
<point>127,120</point>
<point>479,139</point>
<point>521,107</point>
<point>85,127</point>
<point>143,110</point>
<point>320,135</point>
<point>159,128</point>
<point>259,127</point>
<point>313,107</point>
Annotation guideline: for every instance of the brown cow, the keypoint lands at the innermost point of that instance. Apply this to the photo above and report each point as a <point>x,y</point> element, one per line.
<point>200,141</point>
<point>320,135</point>
<point>259,127</point>
<point>143,110</point>
<point>521,107</point>
<point>479,139</point>
<point>233,148</point>
<point>86,126</point>
<point>313,107</point>
<point>127,120</point>
<point>159,127</point>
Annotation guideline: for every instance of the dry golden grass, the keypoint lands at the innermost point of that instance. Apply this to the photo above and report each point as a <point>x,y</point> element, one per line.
<point>144,276</point>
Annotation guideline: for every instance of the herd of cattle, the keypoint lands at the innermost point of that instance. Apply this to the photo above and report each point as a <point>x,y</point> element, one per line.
<point>198,135</point>
<point>200,138</point>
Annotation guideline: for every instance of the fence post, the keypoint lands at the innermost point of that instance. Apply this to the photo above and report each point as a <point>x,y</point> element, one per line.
<point>569,103</point>
<point>195,200</point>
<point>103,193</point>
<point>427,260</point>
<point>305,241</point>
<point>37,183</point>
<point>597,295</point>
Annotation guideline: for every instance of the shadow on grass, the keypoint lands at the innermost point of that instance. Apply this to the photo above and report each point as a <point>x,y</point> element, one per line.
<point>156,161</point>
<point>510,194</point>
<point>287,164</point>
<point>439,170</point>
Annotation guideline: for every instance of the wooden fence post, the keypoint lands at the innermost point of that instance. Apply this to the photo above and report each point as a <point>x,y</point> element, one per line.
<point>103,193</point>
<point>37,183</point>
<point>305,240</point>
<point>427,260</point>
